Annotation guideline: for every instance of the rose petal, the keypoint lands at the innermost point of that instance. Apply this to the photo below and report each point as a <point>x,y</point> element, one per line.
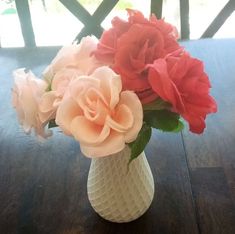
<point>47,109</point>
<point>122,120</point>
<point>62,79</point>
<point>29,107</point>
<point>47,101</point>
<point>91,95</point>
<point>66,112</point>
<point>110,84</point>
<point>132,101</point>
<point>196,123</point>
<point>163,85</point>
<point>113,144</point>
<point>76,56</point>
<point>88,132</point>
<point>79,86</point>
<point>98,113</point>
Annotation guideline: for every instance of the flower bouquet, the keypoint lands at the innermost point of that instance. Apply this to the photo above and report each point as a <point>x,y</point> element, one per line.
<point>108,94</point>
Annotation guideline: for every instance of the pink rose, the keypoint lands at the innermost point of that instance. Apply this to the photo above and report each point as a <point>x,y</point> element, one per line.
<point>76,56</point>
<point>51,99</point>
<point>70,62</point>
<point>26,95</point>
<point>98,114</point>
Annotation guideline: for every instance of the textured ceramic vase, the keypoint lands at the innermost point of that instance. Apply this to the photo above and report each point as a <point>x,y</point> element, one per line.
<point>117,195</point>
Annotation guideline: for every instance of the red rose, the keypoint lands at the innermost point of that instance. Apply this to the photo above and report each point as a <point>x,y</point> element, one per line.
<point>108,42</point>
<point>129,46</point>
<point>182,82</point>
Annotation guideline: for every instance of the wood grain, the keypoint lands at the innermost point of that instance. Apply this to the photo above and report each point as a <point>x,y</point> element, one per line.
<point>211,156</point>
<point>43,184</point>
<point>216,212</point>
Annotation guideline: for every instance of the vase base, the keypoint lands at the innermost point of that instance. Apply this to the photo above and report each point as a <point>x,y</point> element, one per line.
<point>116,195</point>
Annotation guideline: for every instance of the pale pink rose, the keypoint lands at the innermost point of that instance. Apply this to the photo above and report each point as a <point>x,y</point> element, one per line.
<point>51,99</point>
<point>98,114</point>
<point>77,56</point>
<point>70,62</point>
<point>26,95</point>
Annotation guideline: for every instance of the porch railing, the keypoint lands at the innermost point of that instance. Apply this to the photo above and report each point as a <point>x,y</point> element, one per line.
<point>92,23</point>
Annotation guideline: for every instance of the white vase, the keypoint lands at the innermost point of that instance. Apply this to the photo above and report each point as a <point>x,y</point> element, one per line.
<point>117,195</point>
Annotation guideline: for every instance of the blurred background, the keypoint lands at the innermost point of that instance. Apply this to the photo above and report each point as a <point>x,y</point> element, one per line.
<point>54,25</point>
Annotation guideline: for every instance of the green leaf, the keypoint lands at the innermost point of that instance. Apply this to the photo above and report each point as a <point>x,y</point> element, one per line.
<point>158,104</point>
<point>164,120</point>
<point>52,124</point>
<point>48,88</point>
<point>180,127</point>
<point>137,146</point>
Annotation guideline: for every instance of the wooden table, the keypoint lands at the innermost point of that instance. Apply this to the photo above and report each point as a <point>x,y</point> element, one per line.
<point>43,184</point>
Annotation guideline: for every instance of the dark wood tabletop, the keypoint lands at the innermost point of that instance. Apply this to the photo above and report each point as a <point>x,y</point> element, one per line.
<point>43,184</point>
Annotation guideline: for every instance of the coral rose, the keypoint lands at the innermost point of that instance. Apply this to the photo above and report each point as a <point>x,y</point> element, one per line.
<point>181,81</point>
<point>98,114</point>
<point>130,46</point>
<point>26,95</point>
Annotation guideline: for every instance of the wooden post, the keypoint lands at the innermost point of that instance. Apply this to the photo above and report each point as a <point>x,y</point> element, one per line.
<point>184,19</point>
<point>22,7</point>
<point>156,8</point>
<point>220,19</point>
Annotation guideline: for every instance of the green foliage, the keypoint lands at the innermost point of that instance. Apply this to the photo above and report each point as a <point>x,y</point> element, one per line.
<point>137,146</point>
<point>48,87</point>
<point>122,5</point>
<point>9,11</point>
<point>52,124</point>
<point>164,120</point>
<point>156,115</point>
<point>158,104</point>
